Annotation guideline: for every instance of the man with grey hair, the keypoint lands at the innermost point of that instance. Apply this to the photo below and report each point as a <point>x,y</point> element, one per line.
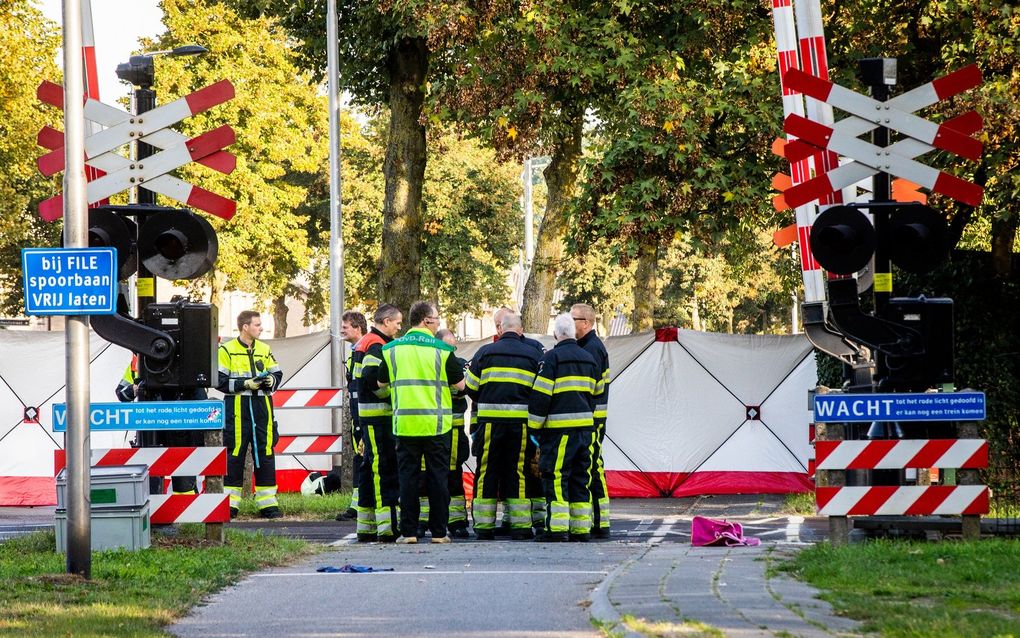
<point>499,382</point>
<point>562,409</point>
<point>534,484</point>
<point>584,321</point>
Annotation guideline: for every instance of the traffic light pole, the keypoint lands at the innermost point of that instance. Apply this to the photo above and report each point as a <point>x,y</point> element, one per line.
<point>879,74</point>
<point>145,100</point>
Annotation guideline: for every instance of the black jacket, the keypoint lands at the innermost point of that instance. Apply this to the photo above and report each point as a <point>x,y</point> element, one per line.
<point>594,346</point>
<point>563,395</point>
<point>500,378</point>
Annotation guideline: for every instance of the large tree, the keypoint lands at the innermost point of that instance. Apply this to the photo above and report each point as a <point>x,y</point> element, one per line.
<point>281,125</point>
<point>387,53</point>
<point>28,48</point>
<point>522,80</point>
<point>473,226</point>
<point>681,146</point>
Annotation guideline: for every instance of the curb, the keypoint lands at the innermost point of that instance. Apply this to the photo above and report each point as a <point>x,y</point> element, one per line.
<point>602,609</point>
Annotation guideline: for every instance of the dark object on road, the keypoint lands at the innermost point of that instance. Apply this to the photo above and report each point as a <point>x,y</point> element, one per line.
<point>353,569</point>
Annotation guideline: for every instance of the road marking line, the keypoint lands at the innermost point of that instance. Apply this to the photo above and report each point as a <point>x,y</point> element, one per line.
<point>664,529</point>
<point>437,571</point>
<point>346,540</point>
<point>793,528</point>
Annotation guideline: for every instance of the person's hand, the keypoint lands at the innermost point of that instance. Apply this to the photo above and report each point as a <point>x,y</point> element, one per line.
<point>252,384</point>
<point>268,381</point>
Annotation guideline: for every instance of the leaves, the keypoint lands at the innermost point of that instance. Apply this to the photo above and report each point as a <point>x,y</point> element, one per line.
<point>28,47</point>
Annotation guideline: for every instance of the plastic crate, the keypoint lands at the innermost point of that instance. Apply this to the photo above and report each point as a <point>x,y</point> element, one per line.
<point>112,528</point>
<point>111,486</point>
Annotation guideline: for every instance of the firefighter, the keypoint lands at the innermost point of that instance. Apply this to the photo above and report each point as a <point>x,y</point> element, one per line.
<point>584,321</point>
<point>499,381</point>
<point>532,480</point>
<point>457,523</point>
<point>131,387</point>
<point>353,327</point>
<point>422,371</point>
<point>248,375</point>
<point>379,488</point>
<point>562,409</point>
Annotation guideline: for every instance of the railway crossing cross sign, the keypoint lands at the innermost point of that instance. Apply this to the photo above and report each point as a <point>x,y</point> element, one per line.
<point>896,114</point>
<point>151,127</point>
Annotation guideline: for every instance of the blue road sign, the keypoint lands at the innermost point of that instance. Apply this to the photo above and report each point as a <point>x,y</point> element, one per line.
<point>70,281</point>
<point>147,415</point>
<point>928,406</point>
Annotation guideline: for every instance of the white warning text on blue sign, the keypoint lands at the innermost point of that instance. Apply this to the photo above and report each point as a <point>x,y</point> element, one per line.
<point>147,415</point>
<point>70,281</point>
<point>928,406</point>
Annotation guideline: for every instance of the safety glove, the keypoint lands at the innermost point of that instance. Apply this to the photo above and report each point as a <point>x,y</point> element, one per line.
<point>252,384</point>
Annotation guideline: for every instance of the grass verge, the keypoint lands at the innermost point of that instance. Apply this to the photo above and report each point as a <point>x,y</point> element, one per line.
<point>298,506</point>
<point>802,504</point>
<point>901,589</point>
<point>131,593</point>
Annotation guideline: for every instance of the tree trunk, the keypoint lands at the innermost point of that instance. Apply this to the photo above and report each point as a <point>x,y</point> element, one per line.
<point>217,285</point>
<point>561,178</point>
<point>695,313</point>
<point>646,294</point>
<point>1003,239</point>
<point>404,171</point>
<point>280,310</point>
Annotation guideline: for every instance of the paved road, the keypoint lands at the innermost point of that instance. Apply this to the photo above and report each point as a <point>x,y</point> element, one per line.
<point>646,581</point>
<point>648,572</point>
<point>499,589</point>
<point>634,521</point>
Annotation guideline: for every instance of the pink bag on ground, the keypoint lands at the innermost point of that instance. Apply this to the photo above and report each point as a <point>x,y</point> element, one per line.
<point>708,532</point>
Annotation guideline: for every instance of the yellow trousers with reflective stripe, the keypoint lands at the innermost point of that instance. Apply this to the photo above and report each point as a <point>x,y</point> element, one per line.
<point>565,462</point>
<point>599,491</point>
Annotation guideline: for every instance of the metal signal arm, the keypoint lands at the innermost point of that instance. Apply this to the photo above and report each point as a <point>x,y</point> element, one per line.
<point>135,336</point>
<point>887,337</point>
<point>824,337</point>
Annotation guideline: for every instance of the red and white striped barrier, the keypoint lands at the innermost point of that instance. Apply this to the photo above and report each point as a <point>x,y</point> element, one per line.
<point>902,501</point>
<point>166,461</point>
<point>165,509</point>
<point>309,444</point>
<point>308,398</point>
<point>897,454</point>
<point>171,461</point>
<point>800,171</point>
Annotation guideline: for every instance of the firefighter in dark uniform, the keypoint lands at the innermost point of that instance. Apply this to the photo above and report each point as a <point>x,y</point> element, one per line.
<point>584,321</point>
<point>499,381</point>
<point>353,327</point>
<point>379,489</point>
<point>132,387</point>
<point>532,480</point>
<point>248,375</point>
<point>562,409</point>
